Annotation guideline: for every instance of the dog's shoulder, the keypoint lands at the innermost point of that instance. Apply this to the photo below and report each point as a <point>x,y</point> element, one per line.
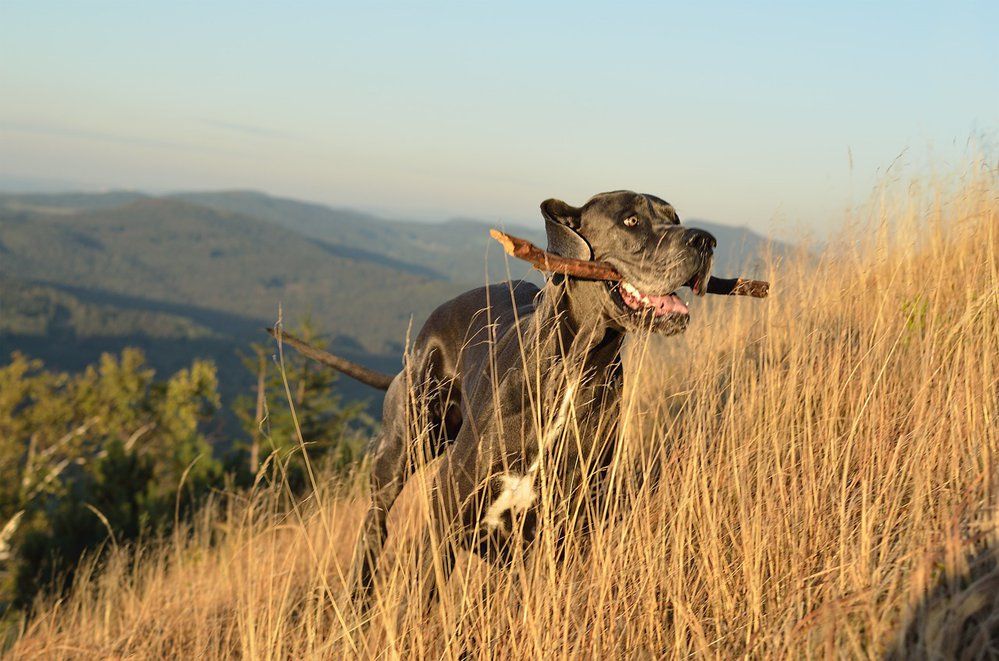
<point>489,300</point>
<point>462,318</point>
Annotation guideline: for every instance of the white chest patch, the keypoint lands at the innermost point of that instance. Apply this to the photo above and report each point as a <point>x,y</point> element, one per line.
<point>516,497</point>
<point>517,494</point>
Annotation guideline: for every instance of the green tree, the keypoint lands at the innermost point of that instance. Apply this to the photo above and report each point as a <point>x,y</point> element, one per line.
<point>108,447</point>
<point>333,431</point>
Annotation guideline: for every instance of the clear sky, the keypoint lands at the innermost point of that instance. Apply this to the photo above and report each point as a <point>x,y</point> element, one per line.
<point>766,114</point>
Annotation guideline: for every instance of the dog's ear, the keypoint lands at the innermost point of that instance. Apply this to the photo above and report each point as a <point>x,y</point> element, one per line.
<point>562,213</point>
<point>562,222</point>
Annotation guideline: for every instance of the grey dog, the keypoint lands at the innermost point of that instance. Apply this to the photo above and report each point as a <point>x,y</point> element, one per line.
<point>515,382</point>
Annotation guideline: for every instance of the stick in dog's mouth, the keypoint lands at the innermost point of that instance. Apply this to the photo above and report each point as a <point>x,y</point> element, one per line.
<point>592,270</point>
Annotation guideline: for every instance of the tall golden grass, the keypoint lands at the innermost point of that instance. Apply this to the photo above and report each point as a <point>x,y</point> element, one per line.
<point>812,475</point>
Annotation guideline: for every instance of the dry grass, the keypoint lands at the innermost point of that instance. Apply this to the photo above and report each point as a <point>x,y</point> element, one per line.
<point>818,479</point>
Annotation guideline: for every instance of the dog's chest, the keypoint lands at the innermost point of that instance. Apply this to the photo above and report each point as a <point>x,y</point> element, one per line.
<point>574,437</point>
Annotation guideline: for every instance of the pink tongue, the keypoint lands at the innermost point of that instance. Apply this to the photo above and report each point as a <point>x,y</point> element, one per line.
<point>667,304</point>
<point>660,305</point>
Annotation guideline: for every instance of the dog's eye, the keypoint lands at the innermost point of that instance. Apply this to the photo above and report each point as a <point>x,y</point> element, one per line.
<point>631,221</point>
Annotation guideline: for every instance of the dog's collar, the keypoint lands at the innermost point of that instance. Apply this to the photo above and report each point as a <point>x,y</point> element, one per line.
<point>567,242</point>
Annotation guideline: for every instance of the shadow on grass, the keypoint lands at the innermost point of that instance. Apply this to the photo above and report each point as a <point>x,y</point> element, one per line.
<point>958,618</point>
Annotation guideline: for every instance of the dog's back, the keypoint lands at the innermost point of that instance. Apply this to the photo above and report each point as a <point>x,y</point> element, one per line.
<point>455,340</point>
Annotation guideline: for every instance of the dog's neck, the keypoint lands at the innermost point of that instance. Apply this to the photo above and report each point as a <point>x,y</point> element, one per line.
<point>573,309</point>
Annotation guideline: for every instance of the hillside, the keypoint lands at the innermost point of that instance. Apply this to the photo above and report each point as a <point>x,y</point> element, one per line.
<point>182,281</point>
<point>171,255</point>
<point>455,248</point>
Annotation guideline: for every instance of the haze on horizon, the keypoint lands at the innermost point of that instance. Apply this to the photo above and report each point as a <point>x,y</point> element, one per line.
<point>768,116</point>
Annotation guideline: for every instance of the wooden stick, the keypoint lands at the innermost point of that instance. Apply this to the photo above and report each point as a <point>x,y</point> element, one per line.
<point>546,261</point>
<point>591,270</point>
<point>348,367</point>
<point>738,287</point>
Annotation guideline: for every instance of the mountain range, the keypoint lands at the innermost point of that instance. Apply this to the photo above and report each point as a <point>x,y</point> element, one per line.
<point>201,274</point>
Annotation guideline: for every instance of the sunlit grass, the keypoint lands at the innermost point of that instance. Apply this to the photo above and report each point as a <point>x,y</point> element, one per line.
<point>802,476</point>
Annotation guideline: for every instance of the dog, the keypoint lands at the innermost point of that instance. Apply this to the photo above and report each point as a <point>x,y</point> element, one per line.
<point>507,374</point>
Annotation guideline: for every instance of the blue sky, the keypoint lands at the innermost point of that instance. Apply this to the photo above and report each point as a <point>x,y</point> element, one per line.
<point>773,115</point>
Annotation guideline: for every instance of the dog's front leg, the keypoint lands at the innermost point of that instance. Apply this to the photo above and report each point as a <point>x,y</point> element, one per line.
<point>435,562</point>
<point>447,528</point>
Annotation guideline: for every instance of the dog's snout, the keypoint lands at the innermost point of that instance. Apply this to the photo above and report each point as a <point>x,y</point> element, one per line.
<point>700,240</point>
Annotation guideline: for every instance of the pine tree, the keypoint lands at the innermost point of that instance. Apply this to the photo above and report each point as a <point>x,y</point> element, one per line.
<point>331,430</point>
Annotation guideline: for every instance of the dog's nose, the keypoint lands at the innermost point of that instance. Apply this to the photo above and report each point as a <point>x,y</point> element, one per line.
<point>700,240</point>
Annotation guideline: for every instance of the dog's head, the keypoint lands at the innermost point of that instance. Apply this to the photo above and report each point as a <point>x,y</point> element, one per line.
<point>641,236</point>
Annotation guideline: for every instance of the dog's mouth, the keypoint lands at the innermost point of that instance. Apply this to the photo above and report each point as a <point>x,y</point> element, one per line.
<point>637,302</point>
<point>662,313</point>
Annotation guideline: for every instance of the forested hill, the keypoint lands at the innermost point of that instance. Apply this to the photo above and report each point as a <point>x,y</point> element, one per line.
<point>200,274</point>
